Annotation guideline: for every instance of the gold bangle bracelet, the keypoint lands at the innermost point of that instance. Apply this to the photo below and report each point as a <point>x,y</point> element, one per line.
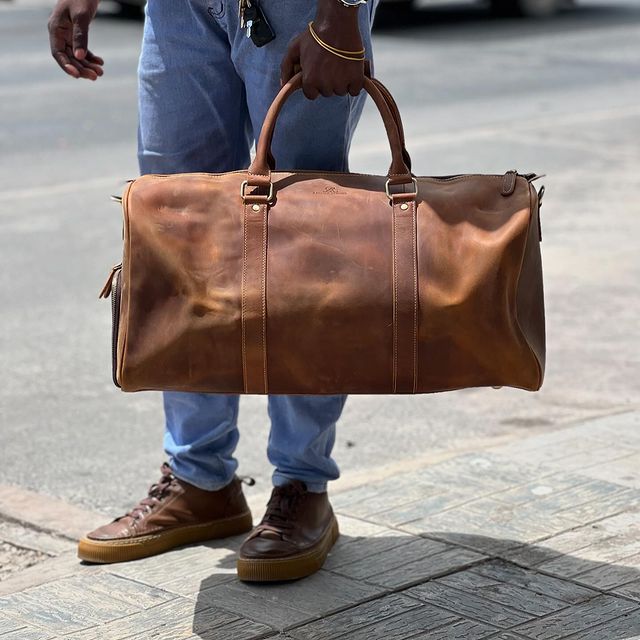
<point>356,56</point>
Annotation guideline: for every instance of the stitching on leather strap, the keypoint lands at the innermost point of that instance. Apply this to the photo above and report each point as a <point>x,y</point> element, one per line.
<point>395,304</point>
<point>254,299</point>
<point>243,300</point>
<point>405,297</point>
<point>263,213</point>
<point>414,247</point>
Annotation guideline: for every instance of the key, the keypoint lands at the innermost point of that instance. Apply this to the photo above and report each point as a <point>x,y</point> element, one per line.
<point>260,30</point>
<point>251,16</point>
<point>242,9</point>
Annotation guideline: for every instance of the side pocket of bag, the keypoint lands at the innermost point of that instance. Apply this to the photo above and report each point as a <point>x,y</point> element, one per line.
<point>116,293</point>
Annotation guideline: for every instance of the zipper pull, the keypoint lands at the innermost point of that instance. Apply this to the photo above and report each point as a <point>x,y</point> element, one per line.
<point>106,290</point>
<point>509,183</point>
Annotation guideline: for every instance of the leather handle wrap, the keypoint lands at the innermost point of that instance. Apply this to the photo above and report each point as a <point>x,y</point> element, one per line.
<point>260,169</point>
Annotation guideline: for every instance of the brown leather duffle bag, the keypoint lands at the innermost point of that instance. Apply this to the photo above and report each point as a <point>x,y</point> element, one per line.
<point>312,282</point>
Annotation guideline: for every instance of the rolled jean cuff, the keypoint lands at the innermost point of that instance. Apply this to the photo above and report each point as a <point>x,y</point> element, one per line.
<point>200,483</point>
<point>279,479</point>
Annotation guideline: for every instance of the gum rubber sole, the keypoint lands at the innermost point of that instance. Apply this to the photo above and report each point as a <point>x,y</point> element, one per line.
<point>125,549</point>
<point>292,567</point>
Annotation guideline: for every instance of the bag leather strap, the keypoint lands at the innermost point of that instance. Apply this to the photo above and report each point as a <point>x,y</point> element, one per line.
<point>254,298</point>
<point>405,294</point>
<point>259,174</point>
<point>255,242</point>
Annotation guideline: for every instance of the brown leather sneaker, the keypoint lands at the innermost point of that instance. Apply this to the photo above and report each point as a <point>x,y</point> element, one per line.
<point>292,540</point>
<point>174,513</point>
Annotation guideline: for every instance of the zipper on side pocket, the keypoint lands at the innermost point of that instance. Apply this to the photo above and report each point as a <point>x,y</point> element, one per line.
<point>113,287</point>
<point>115,323</point>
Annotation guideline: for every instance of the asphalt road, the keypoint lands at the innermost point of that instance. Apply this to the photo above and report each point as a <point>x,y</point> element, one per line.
<point>560,97</point>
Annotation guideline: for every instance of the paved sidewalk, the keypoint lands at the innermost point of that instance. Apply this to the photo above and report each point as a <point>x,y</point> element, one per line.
<point>538,539</point>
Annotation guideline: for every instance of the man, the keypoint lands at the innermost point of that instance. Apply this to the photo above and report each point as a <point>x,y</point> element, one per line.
<point>204,89</point>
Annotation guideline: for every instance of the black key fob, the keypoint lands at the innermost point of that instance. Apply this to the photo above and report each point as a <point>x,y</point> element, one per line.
<point>261,32</point>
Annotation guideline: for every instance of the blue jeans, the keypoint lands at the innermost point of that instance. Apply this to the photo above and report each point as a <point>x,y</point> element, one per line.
<point>204,90</point>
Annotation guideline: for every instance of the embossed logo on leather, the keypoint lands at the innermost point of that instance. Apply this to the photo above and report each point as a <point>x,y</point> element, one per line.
<point>331,191</point>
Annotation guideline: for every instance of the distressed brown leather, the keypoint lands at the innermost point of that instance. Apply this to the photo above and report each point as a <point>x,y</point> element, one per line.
<point>173,503</point>
<point>330,287</point>
<point>294,521</point>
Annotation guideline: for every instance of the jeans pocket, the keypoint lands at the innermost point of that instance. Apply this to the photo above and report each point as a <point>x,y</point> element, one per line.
<point>216,9</point>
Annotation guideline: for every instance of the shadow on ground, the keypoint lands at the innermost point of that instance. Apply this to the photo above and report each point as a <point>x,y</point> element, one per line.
<point>448,584</point>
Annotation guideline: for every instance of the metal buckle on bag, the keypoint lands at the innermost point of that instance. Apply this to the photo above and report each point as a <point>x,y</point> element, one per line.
<point>268,199</point>
<point>387,190</point>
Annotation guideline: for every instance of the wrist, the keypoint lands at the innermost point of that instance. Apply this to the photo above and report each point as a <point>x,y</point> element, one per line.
<point>338,24</point>
<point>334,12</point>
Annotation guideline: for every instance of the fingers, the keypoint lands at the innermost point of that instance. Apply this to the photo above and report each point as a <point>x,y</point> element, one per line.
<point>68,39</point>
<point>290,62</point>
<point>90,57</point>
<point>355,88</point>
<point>310,90</point>
<point>65,64</point>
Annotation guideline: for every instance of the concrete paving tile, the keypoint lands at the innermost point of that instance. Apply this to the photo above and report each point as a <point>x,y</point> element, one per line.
<point>483,537</point>
<point>389,497</point>
<point>486,472</point>
<point>577,619</point>
<point>376,563</point>
<point>418,509</point>
<point>184,568</point>
<point>62,606</point>
<point>502,592</point>
<point>366,548</point>
<point>352,497</point>
<point>130,592</point>
<point>538,583</point>
<point>358,528</point>
<point>589,541</point>
<point>28,538</point>
<point>255,603</point>
<point>630,590</point>
<point>495,526</point>
<point>8,624</point>
<point>607,576</point>
<point>460,630</point>
<point>558,501</point>
<point>626,627</point>
<point>420,621</point>
<point>451,559</point>
<point>176,615</point>
<point>610,550</point>
<point>530,555</point>
<point>527,522</point>
<point>210,623</point>
<point>344,623</point>
<point>624,471</point>
<point>542,488</point>
<point>28,633</point>
<point>284,604</point>
<point>564,543</point>
<point>623,500</point>
<point>469,605</point>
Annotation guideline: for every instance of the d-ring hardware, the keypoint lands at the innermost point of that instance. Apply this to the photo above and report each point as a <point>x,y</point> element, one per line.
<point>268,198</point>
